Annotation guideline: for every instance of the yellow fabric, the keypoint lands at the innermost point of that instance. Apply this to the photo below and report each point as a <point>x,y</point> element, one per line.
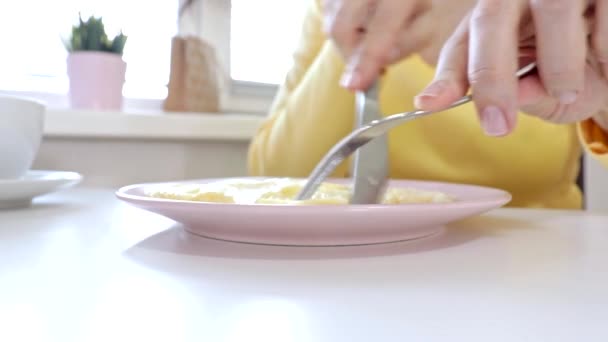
<point>538,163</point>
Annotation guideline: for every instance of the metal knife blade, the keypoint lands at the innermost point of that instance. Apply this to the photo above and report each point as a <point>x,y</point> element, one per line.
<point>370,167</point>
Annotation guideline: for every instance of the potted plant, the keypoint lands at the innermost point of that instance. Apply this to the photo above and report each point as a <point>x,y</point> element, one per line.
<point>96,70</point>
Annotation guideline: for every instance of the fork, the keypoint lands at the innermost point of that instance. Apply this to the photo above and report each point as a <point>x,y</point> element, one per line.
<point>366,133</point>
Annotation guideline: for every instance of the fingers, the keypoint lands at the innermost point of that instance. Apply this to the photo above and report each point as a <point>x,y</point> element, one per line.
<point>535,100</point>
<point>377,48</point>
<point>450,82</point>
<point>566,89</point>
<point>600,34</point>
<point>483,54</point>
<point>493,63</point>
<point>562,46</point>
<point>415,37</point>
<point>342,23</point>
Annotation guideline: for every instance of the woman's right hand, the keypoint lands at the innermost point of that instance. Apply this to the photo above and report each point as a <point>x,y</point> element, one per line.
<point>567,38</point>
<point>372,34</point>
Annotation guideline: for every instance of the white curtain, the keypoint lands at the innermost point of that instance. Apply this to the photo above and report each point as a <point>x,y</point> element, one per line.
<point>190,21</point>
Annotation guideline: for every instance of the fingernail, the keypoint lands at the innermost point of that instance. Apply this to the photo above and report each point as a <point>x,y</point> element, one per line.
<point>350,79</point>
<point>567,97</point>
<point>494,121</point>
<point>433,90</point>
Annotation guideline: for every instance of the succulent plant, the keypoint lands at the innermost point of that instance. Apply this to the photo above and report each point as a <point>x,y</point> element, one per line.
<point>91,35</point>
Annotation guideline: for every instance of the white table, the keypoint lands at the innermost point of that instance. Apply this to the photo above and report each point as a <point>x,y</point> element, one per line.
<point>81,266</point>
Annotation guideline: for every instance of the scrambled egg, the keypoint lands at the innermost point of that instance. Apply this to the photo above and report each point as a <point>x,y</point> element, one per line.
<point>283,191</point>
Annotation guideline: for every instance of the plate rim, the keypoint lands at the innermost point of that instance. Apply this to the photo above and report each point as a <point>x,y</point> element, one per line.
<point>71,176</point>
<point>123,193</point>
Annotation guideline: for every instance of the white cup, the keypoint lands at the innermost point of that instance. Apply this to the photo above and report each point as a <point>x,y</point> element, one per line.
<point>21,125</point>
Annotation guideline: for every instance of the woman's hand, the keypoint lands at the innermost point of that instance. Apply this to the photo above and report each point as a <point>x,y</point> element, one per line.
<point>569,40</point>
<point>372,34</point>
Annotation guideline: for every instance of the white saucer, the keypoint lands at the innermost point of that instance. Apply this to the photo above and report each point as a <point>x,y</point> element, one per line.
<point>17,193</point>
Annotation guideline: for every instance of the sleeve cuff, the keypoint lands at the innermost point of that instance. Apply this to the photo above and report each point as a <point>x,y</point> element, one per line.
<point>595,139</point>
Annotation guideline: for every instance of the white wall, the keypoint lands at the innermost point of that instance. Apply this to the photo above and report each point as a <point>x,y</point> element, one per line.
<point>118,162</point>
<point>596,184</point>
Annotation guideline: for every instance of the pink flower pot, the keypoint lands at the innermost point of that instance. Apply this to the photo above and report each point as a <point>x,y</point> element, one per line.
<point>96,80</point>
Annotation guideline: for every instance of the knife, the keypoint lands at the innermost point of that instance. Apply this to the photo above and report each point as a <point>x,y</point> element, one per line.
<point>370,167</point>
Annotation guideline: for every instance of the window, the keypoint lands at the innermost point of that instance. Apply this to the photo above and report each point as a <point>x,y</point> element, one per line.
<point>34,59</point>
<point>254,40</point>
<point>263,36</point>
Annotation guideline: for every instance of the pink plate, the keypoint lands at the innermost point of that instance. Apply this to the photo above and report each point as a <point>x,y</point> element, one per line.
<point>321,225</point>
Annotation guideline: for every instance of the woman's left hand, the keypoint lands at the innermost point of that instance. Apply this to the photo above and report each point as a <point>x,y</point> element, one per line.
<point>567,38</point>
<point>372,34</point>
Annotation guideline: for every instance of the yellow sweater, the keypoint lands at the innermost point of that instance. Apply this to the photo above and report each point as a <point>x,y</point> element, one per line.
<point>538,163</point>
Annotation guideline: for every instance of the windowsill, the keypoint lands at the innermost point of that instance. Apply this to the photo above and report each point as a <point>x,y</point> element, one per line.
<point>151,125</point>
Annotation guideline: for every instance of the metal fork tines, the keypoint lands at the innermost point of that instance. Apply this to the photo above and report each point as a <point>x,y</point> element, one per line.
<point>363,135</point>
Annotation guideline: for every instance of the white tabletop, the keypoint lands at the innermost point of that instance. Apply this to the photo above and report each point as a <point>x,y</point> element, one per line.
<point>81,266</point>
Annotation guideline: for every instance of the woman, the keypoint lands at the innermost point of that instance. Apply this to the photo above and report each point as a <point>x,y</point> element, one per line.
<point>537,162</point>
